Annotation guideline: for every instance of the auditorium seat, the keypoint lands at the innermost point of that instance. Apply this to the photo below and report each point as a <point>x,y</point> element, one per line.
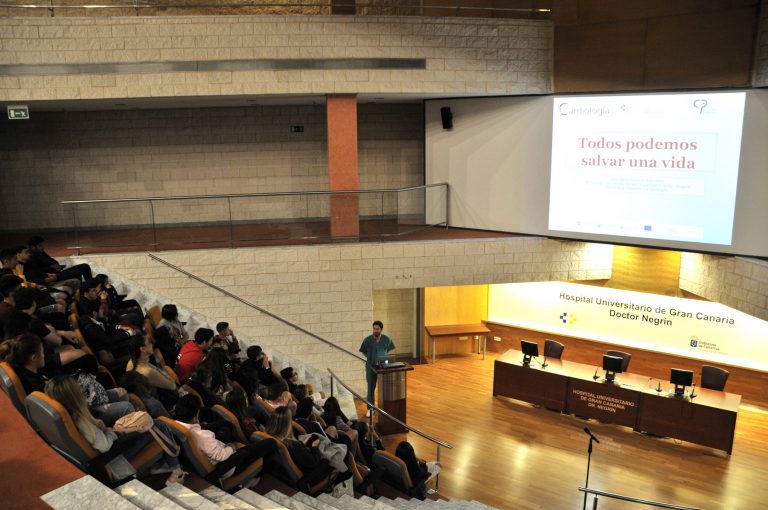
<point>200,463</point>
<point>625,356</point>
<point>713,378</point>
<point>395,470</point>
<point>55,425</point>
<point>553,349</point>
<point>226,414</point>
<point>288,471</point>
<point>13,387</point>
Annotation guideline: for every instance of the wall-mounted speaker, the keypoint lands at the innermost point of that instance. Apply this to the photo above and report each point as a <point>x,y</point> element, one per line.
<point>447,117</point>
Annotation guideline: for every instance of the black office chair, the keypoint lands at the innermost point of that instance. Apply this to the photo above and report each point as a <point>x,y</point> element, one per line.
<point>625,357</point>
<point>713,378</point>
<point>553,349</point>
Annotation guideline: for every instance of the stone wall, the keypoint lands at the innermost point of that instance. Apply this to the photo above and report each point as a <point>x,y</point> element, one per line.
<point>170,152</point>
<point>329,289</point>
<point>462,56</point>
<point>738,282</point>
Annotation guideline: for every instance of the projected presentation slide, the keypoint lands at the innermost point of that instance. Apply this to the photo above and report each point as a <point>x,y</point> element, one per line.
<point>656,166</point>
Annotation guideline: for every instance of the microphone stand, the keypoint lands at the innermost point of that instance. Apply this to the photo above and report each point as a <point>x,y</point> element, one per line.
<point>589,461</point>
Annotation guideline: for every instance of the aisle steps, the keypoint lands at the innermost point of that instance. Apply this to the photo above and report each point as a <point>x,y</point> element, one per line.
<point>87,493</point>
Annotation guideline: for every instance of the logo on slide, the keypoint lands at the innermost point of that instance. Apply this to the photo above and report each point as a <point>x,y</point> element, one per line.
<point>694,341</point>
<point>567,319</point>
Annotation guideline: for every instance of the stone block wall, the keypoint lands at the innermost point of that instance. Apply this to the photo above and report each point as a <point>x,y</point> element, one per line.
<point>329,290</point>
<point>464,56</point>
<point>761,50</point>
<point>738,282</point>
<point>88,155</point>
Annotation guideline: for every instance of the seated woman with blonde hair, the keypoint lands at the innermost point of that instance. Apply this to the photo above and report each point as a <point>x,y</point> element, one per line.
<point>66,391</point>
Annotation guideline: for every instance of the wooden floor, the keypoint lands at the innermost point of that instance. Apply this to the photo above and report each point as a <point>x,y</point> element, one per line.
<point>512,455</point>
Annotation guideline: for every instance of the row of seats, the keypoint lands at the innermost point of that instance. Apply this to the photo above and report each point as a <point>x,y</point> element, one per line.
<point>712,377</point>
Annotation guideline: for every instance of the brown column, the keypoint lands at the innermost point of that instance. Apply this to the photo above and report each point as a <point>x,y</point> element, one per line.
<point>342,164</point>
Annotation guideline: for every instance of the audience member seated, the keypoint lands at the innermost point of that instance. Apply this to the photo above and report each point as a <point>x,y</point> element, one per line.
<point>59,357</point>
<point>302,392</point>
<point>278,396</point>
<point>210,380</point>
<point>333,415</point>
<point>226,338</point>
<point>29,272</point>
<point>237,403</point>
<point>419,470</point>
<point>306,417</point>
<point>47,264</point>
<point>138,385</point>
<point>291,377</point>
<point>95,322</point>
<point>305,455</point>
<point>66,391</point>
<point>248,374</point>
<point>226,458</point>
<point>26,356</point>
<point>267,375</point>
<point>193,353</point>
<point>140,350</point>
<point>106,404</point>
<point>170,321</point>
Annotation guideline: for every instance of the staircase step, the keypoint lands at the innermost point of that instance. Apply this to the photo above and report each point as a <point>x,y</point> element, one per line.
<point>353,503</point>
<point>331,501</point>
<point>187,498</point>
<point>257,500</point>
<point>86,493</point>
<point>313,502</point>
<point>145,497</point>
<point>279,497</point>
<point>224,500</point>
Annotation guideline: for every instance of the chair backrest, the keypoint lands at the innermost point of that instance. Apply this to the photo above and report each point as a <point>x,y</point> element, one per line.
<point>226,414</point>
<point>265,408</point>
<point>395,470</point>
<point>713,378</point>
<point>13,386</point>
<point>54,423</point>
<point>154,315</point>
<point>283,459</point>
<point>625,358</point>
<point>189,389</point>
<point>553,349</point>
<point>196,458</point>
<point>298,429</point>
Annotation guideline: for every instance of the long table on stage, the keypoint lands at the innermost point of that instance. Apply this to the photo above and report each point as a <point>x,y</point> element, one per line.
<point>636,401</point>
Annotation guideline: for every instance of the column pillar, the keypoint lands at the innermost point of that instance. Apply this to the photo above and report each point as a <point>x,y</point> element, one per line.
<point>342,164</point>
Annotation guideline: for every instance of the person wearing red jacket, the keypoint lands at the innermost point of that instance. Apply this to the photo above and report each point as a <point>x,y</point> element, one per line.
<point>193,353</point>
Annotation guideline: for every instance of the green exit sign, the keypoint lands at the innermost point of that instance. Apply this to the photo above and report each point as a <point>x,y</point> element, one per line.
<point>18,111</point>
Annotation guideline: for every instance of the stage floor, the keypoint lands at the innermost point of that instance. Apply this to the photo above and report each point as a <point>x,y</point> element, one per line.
<point>513,455</point>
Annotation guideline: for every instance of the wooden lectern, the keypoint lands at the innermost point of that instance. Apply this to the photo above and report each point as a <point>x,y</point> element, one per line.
<point>392,397</point>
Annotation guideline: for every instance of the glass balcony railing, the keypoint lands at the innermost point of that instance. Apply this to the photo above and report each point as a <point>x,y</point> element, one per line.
<point>216,221</point>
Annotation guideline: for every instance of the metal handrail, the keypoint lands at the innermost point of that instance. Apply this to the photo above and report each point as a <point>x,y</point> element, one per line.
<point>382,412</point>
<point>244,195</point>
<point>649,502</point>
<point>254,306</point>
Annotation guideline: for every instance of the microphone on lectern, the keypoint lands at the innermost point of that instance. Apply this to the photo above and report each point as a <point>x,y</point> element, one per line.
<point>591,435</point>
<point>596,377</point>
<point>693,391</point>
<point>545,364</point>
<point>658,388</point>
